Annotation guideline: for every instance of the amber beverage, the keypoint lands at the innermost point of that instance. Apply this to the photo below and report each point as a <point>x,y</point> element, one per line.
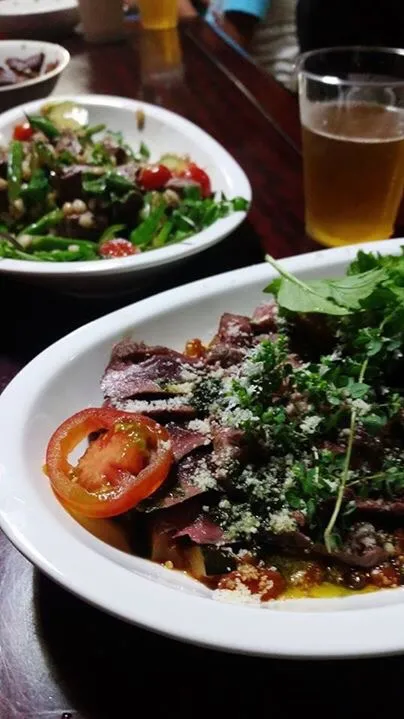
<point>158,14</point>
<point>352,115</point>
<point>353,171</point>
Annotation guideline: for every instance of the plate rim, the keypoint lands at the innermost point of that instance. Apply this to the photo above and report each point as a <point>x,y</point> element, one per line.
<point>149,260</point>
<point>373,631</point>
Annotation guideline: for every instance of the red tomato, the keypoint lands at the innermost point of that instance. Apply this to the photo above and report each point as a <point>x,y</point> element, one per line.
<point>117,247</point>
<point>124,465</point>
<point>154,177</point>
<point>23,133</point>
<point>195,173</point>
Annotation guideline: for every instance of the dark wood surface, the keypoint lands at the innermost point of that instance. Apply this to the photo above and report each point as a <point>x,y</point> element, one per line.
<point>58,654</point>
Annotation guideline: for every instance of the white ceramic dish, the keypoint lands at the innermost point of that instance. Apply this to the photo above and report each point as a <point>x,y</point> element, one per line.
<point>26,18</point>
<point>12,95</point>
<point>65,379</point>
<point>164,132</point>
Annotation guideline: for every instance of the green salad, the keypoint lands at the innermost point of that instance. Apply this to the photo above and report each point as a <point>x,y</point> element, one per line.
<point>70,191</point>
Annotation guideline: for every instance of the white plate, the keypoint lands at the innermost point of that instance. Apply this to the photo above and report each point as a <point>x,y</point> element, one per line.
<point>164,132</point>
<point>38,87</point>
<point>65,379</point>
<point>46,17</point>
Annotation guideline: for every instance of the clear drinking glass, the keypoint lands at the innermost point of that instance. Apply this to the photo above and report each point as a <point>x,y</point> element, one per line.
<point>158,14</point>
<point>352,114</point>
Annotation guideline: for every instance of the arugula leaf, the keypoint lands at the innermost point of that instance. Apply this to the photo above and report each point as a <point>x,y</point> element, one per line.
<point>333,297</point>
<point>298,296</point>
<point>349,291</point>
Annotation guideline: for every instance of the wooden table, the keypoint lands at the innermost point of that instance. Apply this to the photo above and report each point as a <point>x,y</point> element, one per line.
<point>59,656</point>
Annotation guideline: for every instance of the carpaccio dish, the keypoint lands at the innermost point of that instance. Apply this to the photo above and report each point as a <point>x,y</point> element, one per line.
<point>270,462</point>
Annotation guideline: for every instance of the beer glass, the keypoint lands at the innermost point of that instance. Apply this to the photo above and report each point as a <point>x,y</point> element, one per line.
<point>158,14</point>
<point>352,114</point>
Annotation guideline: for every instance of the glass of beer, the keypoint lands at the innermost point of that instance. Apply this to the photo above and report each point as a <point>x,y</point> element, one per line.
<point>158,14</point>
<point>352,115</point>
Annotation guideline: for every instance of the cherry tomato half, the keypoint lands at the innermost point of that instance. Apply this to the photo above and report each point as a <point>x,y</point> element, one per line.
<point>23,133</point>
<point>117,247</point>
<point>195,173</point>
<point>125,464</point>
<point>154,177</point>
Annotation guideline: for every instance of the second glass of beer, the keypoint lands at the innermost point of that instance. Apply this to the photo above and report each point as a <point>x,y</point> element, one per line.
<point>352,114</point>
<point>158,14</point>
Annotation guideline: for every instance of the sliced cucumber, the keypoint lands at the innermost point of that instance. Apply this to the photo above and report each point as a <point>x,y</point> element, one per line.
<point>66,115</point>
<point>175,163</point>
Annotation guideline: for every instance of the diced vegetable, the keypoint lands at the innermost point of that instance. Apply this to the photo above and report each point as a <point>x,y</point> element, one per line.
<point>66,115</point>
<point>175,163</point>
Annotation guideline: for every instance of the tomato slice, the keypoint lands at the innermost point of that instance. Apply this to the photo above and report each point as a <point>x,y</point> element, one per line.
<point>195,173</point>
<point>23,132</point>
<point>128,461</point>
<point>154,177</point>
<point>117,247</point>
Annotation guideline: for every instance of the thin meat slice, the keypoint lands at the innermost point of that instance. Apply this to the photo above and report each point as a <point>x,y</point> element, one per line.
<point>394,507</point>
<point>192,476</point>
<point>29,67</point>
<point>184,441</point>
<point>128,352</point>
<point>152,376</point>
<point>235,330</point>
<point>202,531</point>
<point>265,317</point>
<point>164,409</point>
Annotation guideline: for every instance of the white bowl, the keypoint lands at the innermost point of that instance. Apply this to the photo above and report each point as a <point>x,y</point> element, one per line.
<point>39,87</point>
<point>164,132</point>
<point>65,379</point>
<point>44,17</point>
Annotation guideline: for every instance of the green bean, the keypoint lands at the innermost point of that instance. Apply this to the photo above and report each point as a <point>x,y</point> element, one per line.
<point>53,242</point>
<point>163,235</point>
<point>143,235</point>
<point>44,223</point>
<point>14,170</point>
<point>44,125</point>
<point>111,232</point>
<point>93,130</point>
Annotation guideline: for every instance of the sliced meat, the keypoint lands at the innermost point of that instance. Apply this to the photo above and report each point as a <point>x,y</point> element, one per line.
<point>29,67</point>
<point>127,208</point>
<point>202,531</point>
<point>127,352</point>
<point>394,508</point>
<point>67,181</point>
<point>191,477</point>
<point>7,77</point>
<point>147,377</point>
<point>229,445</point>
<point>184,441</point>
<point>235,330</point>
<point>168,409</point>
<point>265,317</point>
<point>225,355</point>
